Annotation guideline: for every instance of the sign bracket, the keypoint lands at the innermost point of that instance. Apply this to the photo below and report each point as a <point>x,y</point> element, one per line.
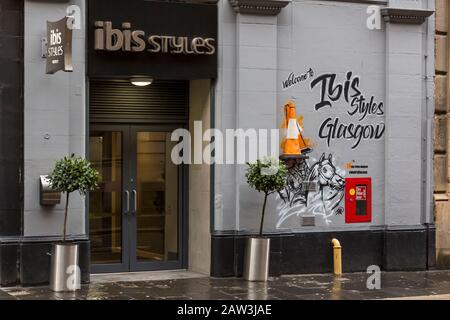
<point>44,46</point>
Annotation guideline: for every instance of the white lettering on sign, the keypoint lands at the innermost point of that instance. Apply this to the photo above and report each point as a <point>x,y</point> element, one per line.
<point>55,37</point>
<point>55,49</point>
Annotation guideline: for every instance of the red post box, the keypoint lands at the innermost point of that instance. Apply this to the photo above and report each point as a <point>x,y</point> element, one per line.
<point>358,200</point>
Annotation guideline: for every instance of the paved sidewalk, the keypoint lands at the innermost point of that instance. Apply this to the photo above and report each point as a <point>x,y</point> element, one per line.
<point>413,285</point>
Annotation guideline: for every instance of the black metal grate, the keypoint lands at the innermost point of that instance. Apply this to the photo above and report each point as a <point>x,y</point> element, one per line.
<point>118,101</point>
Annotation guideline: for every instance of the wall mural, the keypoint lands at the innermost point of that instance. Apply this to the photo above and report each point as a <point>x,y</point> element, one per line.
<point>360,107</point>
<point>316,187</point>
<point>294,79</point>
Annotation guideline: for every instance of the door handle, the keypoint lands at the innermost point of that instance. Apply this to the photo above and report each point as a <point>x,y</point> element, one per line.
<point>135,201</point>
<point>127,202</point>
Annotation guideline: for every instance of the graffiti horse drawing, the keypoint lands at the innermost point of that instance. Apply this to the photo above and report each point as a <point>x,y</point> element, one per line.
<point>317,190</point>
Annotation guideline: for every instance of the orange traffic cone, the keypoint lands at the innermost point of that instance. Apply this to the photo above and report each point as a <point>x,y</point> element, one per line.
<point>294,142</point>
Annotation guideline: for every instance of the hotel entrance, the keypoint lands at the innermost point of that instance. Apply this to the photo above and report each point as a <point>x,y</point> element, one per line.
<point>136,216</point>
<point>151,67</point>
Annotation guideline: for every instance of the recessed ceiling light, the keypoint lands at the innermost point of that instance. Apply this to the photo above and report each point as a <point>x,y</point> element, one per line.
<point>141,81</point>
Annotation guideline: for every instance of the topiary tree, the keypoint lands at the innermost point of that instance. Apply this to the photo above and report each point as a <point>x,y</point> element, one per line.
<point>267,176</point>
<point>70,175</point>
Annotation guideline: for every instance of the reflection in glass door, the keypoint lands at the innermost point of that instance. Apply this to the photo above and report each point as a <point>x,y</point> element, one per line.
<point>157,199</point>
<point>134,217</point>
<point>105,204</point>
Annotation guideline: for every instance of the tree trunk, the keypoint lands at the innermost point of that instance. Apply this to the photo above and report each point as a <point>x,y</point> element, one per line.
<point>65,216</point>
<point>263,214</point>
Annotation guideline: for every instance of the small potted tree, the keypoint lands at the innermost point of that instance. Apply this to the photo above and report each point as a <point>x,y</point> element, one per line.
<point>267,176</point>
<point>69,175</point>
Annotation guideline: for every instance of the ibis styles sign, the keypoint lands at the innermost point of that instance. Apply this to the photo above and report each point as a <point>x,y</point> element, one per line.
<point>59,46</point>
<point>165,40</point>
<point>125,39</point>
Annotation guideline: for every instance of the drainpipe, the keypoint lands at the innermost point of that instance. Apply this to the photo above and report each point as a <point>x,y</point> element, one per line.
<point>337,257</point>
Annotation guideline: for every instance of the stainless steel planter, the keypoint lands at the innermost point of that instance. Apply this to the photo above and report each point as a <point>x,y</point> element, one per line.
<point>256,262</point>
<point>65,272</point>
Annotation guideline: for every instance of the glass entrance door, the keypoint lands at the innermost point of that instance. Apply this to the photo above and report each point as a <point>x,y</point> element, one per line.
<point>134,217</point>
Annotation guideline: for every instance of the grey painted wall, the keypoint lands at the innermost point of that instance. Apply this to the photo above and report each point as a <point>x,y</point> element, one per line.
<point>226,206</point>
<point>336,45</point>
<point>54,106</point>
<point>257,53</point>
<point>199,251</point>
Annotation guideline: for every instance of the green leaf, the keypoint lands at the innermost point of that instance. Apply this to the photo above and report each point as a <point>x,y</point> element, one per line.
<point>267,175</point>
<point>74,174</point>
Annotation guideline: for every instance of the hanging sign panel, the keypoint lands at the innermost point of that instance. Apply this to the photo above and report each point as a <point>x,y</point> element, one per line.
<point>59,47</point>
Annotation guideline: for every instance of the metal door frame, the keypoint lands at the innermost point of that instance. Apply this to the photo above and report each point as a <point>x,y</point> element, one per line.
<point>129,231</point>
<point>124,266</point>
<point>182,245</point>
